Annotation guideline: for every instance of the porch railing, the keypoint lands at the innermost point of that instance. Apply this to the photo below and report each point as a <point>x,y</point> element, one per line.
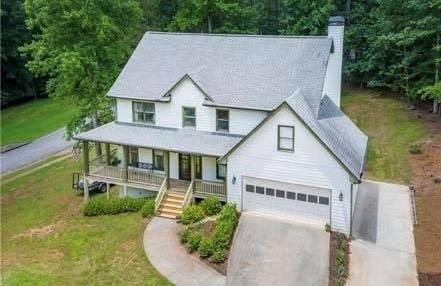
<point>99,168</point>
<point>209,188</point>
<point>188,196</point>
<point>161,193</point>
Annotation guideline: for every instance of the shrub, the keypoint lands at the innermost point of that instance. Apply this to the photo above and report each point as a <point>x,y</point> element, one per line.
<point>206,247</point>
<point>416,149</point>
<point>218,256</point>
<point>148,209</point>
<point>229,213</point>
<point>223,232</point>
<point>184,234</point>
<point>192,214</point>
<point>193,240</point>
<point>211,206</point>
<point>103,206</point>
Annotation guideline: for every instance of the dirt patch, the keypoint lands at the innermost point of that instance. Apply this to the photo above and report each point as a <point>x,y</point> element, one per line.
<point>338,259</point>
<point>425,168</point>
<point>41,231</point>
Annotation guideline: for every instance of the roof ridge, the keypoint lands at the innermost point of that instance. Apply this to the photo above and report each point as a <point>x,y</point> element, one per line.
<point>237,35</point>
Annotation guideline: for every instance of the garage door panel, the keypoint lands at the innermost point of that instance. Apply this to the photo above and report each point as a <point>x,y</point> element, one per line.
<point>309,210</point>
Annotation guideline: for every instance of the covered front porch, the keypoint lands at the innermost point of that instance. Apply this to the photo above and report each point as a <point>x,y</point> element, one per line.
<point>148,169</point>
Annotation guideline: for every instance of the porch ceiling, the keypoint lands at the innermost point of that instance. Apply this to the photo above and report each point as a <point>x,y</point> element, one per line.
<point>171,139</point>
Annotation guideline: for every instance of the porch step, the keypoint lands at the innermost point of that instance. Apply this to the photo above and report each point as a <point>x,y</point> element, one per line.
<point>171,205</point>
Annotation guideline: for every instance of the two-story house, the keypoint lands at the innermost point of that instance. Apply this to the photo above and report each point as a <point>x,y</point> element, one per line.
<point>253,120</point>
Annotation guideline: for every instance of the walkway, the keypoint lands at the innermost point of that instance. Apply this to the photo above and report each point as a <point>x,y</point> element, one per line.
<point>171,259</point>
<point>35,151</point>
<point>383,252</point>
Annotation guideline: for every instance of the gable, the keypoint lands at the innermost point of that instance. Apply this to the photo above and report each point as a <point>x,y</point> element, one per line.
<point>312,132</point>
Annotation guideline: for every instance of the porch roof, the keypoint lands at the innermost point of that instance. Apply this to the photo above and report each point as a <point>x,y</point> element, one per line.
<point>183,140</point>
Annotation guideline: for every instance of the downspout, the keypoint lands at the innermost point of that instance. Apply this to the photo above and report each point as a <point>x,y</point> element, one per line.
<point>351,214</point>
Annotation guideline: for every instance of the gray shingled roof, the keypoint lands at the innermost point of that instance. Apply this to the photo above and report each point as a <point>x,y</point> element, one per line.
<point>184,140</point>
<point>335,130</point>
<point>234,70</point>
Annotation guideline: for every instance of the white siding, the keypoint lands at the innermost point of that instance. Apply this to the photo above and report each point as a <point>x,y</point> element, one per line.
<point>169,114</point>
<point>124,110</point>
<point>209,169</point>
<point>174,165</point>
<point>311,164</point>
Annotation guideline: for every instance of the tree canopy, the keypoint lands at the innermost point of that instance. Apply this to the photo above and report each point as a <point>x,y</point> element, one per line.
<point>81,46</point>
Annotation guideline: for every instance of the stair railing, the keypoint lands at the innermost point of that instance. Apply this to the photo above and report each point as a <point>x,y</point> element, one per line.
<point>161,193</point>
<point>188,196</point>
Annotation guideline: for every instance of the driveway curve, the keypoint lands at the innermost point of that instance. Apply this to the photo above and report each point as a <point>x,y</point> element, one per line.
<point>35,151</point>
<point>171,259</point>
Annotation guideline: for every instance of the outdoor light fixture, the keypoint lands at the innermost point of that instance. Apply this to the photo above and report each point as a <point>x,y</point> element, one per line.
<point>340,197</point>
<point>234,180</point>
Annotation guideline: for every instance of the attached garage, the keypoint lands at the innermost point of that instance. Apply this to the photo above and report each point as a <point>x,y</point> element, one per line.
<point>303,203</point>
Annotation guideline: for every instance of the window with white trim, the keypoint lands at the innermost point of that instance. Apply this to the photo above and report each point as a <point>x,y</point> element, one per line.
<point>143,112</point>
<point>188,117</point>
<point>285,140</point>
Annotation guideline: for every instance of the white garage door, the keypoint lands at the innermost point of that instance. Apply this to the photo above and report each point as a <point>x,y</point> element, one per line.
<point>300,202</point>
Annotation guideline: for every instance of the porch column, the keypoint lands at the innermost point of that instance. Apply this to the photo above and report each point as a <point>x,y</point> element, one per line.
<point>108,190</point>
<point>193,170</point>
<point>107,148</point>
<point>86,157</point>
<point>126,162</point>
<point>167,167</point>
<point>125,190</point>
<point>86,189</point>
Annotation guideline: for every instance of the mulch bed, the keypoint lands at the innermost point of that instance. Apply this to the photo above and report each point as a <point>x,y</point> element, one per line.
<point>336,279</point>
<point>425,168</point>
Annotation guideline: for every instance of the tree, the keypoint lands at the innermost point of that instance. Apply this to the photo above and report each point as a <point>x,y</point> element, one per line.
<point>305,17</point>
<point>17,81</point>
<point>218,16</point>
<point>80,46</point>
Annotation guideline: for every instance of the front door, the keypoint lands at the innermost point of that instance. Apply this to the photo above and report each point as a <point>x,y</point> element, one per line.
<point>184,167</point>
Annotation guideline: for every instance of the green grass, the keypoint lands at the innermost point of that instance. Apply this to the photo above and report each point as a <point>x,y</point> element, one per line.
<point>47,241</point>
<point>34,119</point>
<point>391,130</point>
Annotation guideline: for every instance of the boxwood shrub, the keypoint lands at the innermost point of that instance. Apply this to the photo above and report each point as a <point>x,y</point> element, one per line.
<point>192,214</point>
<point>193,240</point>
<point>103,206</point>
<point>211,206</point>
<point>148,209</point>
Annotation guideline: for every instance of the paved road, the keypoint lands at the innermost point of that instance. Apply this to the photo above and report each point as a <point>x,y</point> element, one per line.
<point>36,150</point>
<point>171,259</point>
<point>270,251</point>
<point>383,252</point>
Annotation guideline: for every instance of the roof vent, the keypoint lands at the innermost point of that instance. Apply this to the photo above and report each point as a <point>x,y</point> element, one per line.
<point>336,21</point>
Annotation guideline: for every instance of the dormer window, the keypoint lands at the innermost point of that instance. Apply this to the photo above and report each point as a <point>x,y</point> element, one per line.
<point>143,112</point>
<point>222,120</point>
<point>188,117</point>
<point>285,140</point>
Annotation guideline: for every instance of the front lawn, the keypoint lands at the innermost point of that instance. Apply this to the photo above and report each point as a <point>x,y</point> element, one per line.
<point>46,240</point>
<point>34,119</point>
<point>391,131</point>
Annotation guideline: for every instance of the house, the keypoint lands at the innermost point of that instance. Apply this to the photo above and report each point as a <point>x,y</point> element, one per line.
<point>253,120</point>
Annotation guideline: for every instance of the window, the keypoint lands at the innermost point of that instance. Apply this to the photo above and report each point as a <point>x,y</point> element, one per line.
<point>222,120</point>
<point>249,188</point>
<point>323,200</point>
<point>143,112</point>
<point>269,192</point>
<point>285,141</point>
<point>301,197</point>
<point>198,167</point>
<point>290,195</point>
<point>133,156</point>
<point>260,190</point>
<point>158,160</point>
<point>188,116</point>
<point>221,171</point>
<point>312,199</point>
<point>280,193</point>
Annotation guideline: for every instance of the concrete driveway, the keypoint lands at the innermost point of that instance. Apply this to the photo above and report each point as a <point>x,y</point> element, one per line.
<point>270,251</point>
<point>383,251</point>
<point>35,151</point>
